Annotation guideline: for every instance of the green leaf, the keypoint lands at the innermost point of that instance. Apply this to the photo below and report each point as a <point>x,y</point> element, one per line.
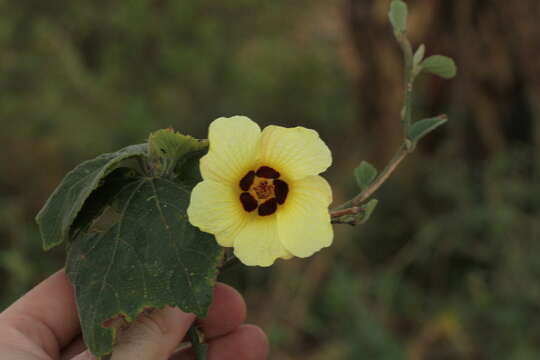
<point>440,65</point>
<point>365,173</point>
<point>419,55</point>
<point>187,169</point>
<point>368,210</point>
<point>398,16</point>
<point>169,144</point>
<point>423,127</point>
<point>147,256</point>
<point>99,198</point>
<point>57,215</point>
<point>131,246</point>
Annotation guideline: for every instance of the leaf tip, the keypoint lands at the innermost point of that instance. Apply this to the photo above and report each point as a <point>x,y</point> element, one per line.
<point>440,65</point>
<point>398,16</point>
<point>365,174</point>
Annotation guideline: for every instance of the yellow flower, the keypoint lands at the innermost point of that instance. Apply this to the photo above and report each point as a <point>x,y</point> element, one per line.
<point>261,192</point>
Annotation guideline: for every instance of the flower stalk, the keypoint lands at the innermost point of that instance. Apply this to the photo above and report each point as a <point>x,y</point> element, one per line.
<point>200,349</point>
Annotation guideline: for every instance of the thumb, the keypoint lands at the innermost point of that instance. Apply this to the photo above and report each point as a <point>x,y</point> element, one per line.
<point>152,336</point>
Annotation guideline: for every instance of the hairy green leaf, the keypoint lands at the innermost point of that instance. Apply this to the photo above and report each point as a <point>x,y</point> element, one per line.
<point>423,127</point>
<point>146,256</point>
<point>169,144</point>
<point>440,65</point>
<point>398,16</point>
<point>365,173</point>
<point>99,198</point>
<point>187,169</point>
<point>61,209</point>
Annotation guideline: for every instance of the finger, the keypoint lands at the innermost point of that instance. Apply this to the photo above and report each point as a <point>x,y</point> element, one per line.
<point>248,342</point>
<point>47,314</point>
<point>76,347</point>
<point>153,336</point>
<point>85,355</point>
<point>227,312</point>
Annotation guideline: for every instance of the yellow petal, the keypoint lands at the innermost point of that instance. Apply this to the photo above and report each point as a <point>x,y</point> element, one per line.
<point>233,143</point>
<point>226,237</point>
<point>295,152</point>
<point>304,221</point>
<point>258,243</point>
<point>287,256</point>
<point>216,209</point>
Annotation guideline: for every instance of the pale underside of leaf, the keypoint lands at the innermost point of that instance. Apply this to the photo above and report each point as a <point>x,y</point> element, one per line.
<point>61,209</point>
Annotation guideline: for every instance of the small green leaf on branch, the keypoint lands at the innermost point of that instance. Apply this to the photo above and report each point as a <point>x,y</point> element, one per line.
<point>419,55</point>
<point>365,173</point>
<point>440,65</point>
<point>398,16</point>
<point>354,215</point>
<point>423,127</point>
<point>368,209</point>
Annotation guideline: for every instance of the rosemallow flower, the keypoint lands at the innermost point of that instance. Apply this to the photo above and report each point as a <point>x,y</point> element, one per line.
<point>261,192</point>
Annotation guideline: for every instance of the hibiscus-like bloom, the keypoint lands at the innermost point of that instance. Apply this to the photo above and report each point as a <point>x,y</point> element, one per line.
<point>261,192</point>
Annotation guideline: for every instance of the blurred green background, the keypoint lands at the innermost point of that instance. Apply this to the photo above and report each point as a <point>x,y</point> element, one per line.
<point>448,267</point>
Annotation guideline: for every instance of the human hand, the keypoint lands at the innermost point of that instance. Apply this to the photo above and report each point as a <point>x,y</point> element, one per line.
<point>44,325</point>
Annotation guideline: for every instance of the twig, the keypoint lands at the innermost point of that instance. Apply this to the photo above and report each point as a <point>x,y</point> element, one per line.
<point>349,211</point>
<point>351,207</point>
<point>402,152</point>
<point>338,220</point>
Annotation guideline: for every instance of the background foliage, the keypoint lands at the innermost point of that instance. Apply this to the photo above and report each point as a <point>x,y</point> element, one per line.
<point>447,268</point>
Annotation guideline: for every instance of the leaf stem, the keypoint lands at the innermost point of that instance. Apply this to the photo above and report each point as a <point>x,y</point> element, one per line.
<point>200,349</point>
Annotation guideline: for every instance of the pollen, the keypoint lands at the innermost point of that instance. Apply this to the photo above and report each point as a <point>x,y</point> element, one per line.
<point>263,190</point>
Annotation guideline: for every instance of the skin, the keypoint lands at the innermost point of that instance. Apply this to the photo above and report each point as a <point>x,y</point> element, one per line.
<point>43,325</point>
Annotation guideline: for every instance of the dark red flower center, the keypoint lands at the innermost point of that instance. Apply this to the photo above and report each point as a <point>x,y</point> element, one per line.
<point>263,190</point>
